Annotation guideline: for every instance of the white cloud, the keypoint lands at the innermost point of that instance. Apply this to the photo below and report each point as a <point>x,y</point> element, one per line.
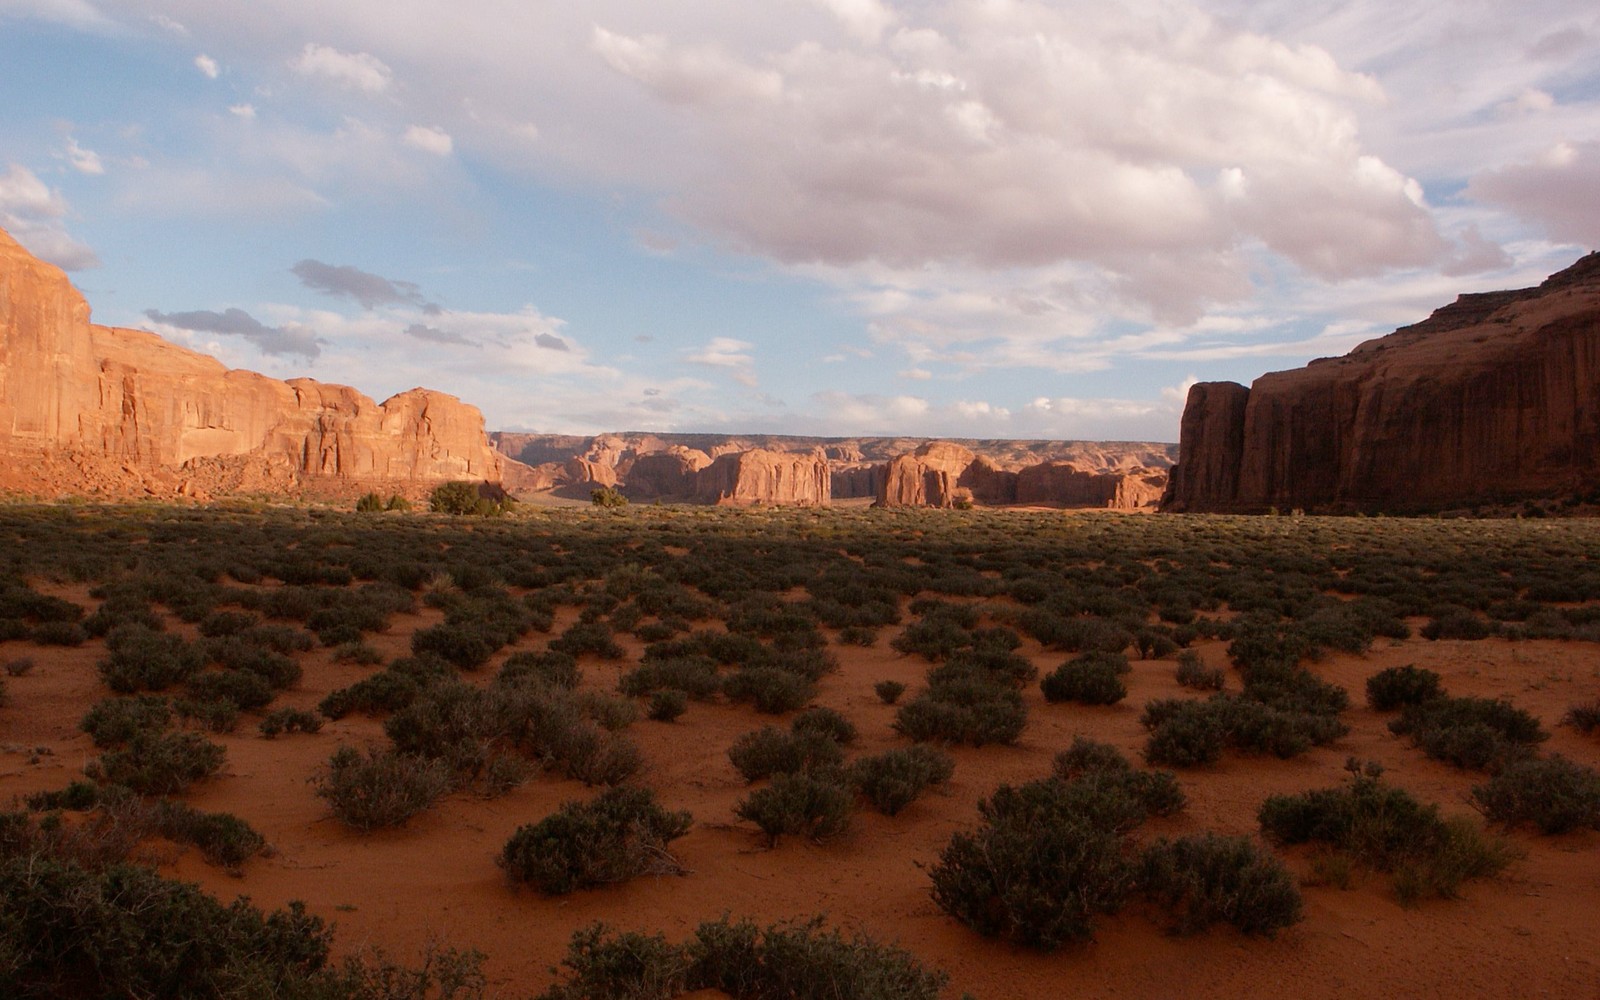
<point>84,161</point>
<point>866,19</point>
<point>33,214</point>
<point>245,111</point>
<point>73,13</point>
<point>357,70</point>
<point>207,66</point>
<point>429,139</point>
<point>727,353</point>
<point>1559,190</point>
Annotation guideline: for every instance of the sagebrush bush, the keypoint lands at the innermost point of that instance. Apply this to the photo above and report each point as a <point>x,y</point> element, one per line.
<point>888,692</point>
<point>620,834</point>
<point>695,676</point>
<point>971,708</point>
<point>223,838</point>
<point>1472,733</point>
<point>158,763</point>
<point>289,720</point>
<point>1091,679</point>
<point>807,804</point>
<point>1397,687</point>
<point>824,721</point>
<point>1206,879</point>
<point>667,704</point>
<point>896,778</point>
<point>1193,673</point>
<point>772,690</point>
<point>379,788</point>
<point>142,660</point>
<point>769,751</point>
<point>113,721</point>
<point>1553,793</point>
<point>551,668</point>
<point>1584,717</point>
<point>19,666</point>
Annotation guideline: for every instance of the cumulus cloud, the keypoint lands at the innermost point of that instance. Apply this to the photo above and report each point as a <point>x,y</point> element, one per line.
<point>34,216</point>
<point>207,66</point>
<point>1556,191</point>
<point>84,161</point>
<point>730,354</point>
<point>289,339</point>
<point>73,13</point>
<point>356,70</point>
<point>246,111</point>
<point>429,139</point>
<point>368,289</point>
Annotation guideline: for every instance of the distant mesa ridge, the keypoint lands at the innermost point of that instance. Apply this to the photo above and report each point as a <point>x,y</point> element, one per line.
<point>96,410</point>
<point>1494,398</point>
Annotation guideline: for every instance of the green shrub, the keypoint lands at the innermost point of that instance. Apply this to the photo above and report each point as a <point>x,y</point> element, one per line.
<point>142,660</point>
<point>1584,717</point>
<point>454,498</point>
<point>114,721</point>
<point>772,690</point>
<point>1209,878</point>
<point>588,637</point>
<point>220,716</point>
<point>1386,829</point>
<point>620,834</point>
<point>379,788</point>
<point>1091,679</point>
<point>223,838</point>
<point>803,803</point>
<point>858,635</point>
<point>221,623</point>
<point>1554,794</point>
<point>58,634</point>
<point>969,707</point>
<point>1183,733</point>
<point>370,503</point>
<point>243,689</point>
<point>1457,623</point>
<point>629,965</point>
<point>694,676</point>
<point>289,720</point>
<point>1473,733</point>
<point>1397,687</point>
<point>888,692</point>
<point>828,722</point>
<point>667,704</point>
<point>551,668</point>
<point>768,751</point>
<point>1193,673</point>
<point>607,498</point>
<point>158,763</point>
<point>397,502</point>
<point>896,778</point>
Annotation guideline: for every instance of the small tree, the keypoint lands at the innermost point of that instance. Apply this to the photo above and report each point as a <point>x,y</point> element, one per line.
<point>607,497</point>
<point>454,497</point>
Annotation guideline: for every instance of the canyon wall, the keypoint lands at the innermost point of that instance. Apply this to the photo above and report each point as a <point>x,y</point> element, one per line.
<point>101,409</point>
<point>1492,399</point>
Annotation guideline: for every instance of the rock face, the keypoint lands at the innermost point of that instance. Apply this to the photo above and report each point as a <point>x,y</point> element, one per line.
<point>672,473</point>
<point>1493,398</point>
<point>131,409</point>
<point>761,476</point>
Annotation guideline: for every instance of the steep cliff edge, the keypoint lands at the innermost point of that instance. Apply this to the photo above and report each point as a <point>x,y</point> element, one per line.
<point>1493,398</point>
<point>89,408</point>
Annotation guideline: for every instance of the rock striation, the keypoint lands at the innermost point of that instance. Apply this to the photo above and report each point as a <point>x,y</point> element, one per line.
<point>761,476</point>
<point>1492,399</point>
<point>126,411</point>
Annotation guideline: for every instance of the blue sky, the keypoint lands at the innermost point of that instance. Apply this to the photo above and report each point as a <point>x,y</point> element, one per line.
<point>976,218</point>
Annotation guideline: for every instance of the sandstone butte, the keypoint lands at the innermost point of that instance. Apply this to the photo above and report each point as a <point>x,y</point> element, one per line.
<point>1492,399</point>
<point>87,408</point>
<point>896,471</point>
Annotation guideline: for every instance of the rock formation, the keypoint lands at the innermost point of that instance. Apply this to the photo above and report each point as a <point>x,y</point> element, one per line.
<point>663,474</point>
<point>129,411</point>
<point>761,476</point>
<point>1493,398</point>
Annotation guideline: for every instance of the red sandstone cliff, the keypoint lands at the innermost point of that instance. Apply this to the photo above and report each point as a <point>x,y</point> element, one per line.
<point>1493,398</point>
<point>761,476</point>
<point>124,410</point>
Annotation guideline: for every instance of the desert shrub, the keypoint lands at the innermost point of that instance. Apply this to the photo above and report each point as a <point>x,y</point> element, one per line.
<point>667,704</point>
<point>1193,673</point>
<point>972,710</point>
<point>626,965</point>
<point>998,665</point>
<point>218,716</point>
<point>588,637</point>
<point>370,503</point>
<point>289,720</point>
<point>468,646</point>
<point>388,690</point>
<point>58,634</point>
<point>379,788</point>
<point>359,653</point>
<point>695,676</point>
<point>1209,878</point>
<point>858,635</point>
<point>1472,733</point>
<point>223,838</point>
<point>19,666</point>
<point>896,778</point>
<point>549,667</point>
<point>239,652</point>
<point>397,502</point>
<point>1183,733</point>
<point>823,721</point>
<point>888,692</point>
<point>221,623</point>
<point>620,834</point>
<point>454,498</point>
<point>244,689</point>
<point>1091,679</point>
<point>772,690</point>
<point>800,961</point>
<point>817,806</point>
<point>1386,829</point>
<point>594,756</point>
<point>932,638</point>
<point>142,660</point>
<point>1396,687</point>
<point>1554,794</point>
<point>158,763</point>
<point>1457,623</point>
<point>1038,870</point>
<point>1584,717</point>
<point>113,721</point>
<point>768,751</point>
<point>1188,732</point>
<point>607,498</point>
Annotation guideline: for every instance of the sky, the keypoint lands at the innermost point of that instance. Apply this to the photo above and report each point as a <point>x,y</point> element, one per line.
<point>960,218</point>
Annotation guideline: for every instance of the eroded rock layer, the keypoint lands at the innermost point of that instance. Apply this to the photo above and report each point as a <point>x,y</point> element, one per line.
<point>1491,399</point>
<point>118,411</point>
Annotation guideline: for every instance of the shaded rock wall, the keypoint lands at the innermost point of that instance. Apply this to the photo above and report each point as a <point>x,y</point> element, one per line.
<point>1493,398</point>
<point>761,476</point>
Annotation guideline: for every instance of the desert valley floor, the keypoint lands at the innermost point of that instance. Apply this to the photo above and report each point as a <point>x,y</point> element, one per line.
<point>1533,586</point>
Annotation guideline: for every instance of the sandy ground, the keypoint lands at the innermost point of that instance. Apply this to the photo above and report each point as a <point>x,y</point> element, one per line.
<point>1528,933</point>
